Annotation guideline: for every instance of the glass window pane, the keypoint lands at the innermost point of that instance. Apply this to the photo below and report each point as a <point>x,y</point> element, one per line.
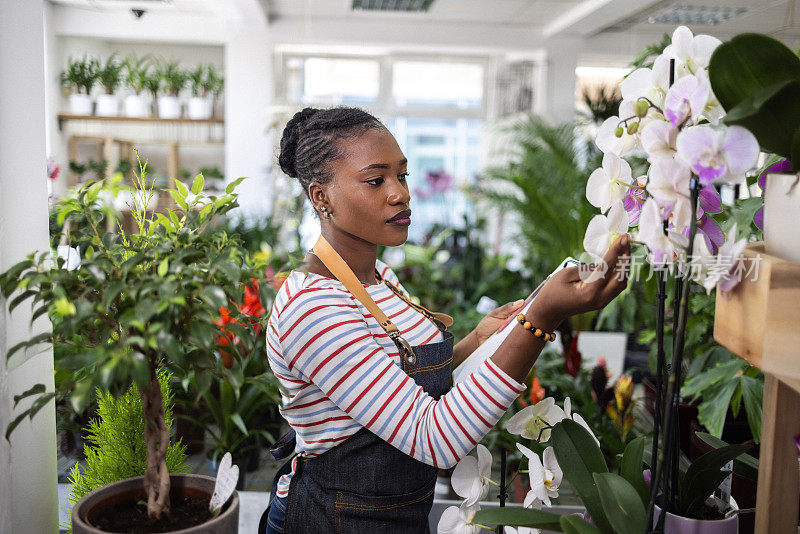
<point>340,81</point>
<point>419,83</point>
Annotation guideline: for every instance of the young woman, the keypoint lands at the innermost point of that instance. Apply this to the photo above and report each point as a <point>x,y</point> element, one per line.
<point>368,374</point>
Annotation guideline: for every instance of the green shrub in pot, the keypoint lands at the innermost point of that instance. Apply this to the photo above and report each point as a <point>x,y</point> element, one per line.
<point>128,303</point>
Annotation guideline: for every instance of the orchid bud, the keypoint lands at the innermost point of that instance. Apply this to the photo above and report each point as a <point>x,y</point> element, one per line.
<point>633,128</point>
<point>640,108</point>
<point>618,131</point>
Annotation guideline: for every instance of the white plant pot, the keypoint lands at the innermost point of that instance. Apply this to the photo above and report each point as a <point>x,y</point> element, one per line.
<point>781,210</point>
<point>169,107</point>
<point>608,345</point>
<point>135,106</point>
<point>80,104</point>
<point>200,107</point>
<point>107,105</point>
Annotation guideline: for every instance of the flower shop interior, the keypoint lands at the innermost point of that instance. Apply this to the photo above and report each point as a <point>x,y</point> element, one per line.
<point>535,131</point>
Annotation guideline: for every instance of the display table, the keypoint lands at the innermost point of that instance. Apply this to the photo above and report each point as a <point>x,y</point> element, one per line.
<point>760,322</point>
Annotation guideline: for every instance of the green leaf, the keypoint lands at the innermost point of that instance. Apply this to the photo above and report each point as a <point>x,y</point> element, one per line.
<point>237,420</point>
<point>231,186</point>
<point>163,267</point>
<point>752,394</point>
<point>631,468</point>
<point>82,394</point>
<point>575,525</point>
<point>704,476</point>
<point>712,411</point>
<point>179,200</point>
<point>182,189</point>
<point>197,184</point>
<point>214,296</point>
<point>622,505</point>
<point>744,465</point>
<point>746,64</point>
<point>698,385</point>
<point>515,516</point>
<point>579,458</point>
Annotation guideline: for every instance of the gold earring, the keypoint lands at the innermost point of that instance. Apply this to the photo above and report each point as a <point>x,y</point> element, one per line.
<point>325,212</point>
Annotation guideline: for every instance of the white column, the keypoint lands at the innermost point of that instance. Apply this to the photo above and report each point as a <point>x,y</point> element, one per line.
<point>562,58</point>
<point>248,92</point>
<point>28,483</point>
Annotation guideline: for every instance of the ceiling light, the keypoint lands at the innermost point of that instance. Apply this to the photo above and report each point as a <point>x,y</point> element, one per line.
<point>696,15</point>
<point>392,5</point>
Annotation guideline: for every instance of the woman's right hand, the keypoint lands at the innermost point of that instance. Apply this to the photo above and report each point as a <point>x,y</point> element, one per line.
<point>584,288</point>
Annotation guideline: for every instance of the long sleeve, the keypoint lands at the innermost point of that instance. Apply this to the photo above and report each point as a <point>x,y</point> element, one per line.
<point>341,377</point>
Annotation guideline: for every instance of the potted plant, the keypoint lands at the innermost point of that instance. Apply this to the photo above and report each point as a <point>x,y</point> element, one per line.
<point>110,76</point>
<point>80,76</point>
<point>757,81</point>
<point>201,103</point>
<point>174,80</point>
<point>129,303</point>
<point>135,76</point>
<point>216,84</point>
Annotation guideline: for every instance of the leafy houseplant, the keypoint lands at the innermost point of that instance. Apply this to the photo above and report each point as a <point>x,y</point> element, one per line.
<point>136,69</point>
<point>80,75</point>
<point>201,81</point>
<point>110,76</point>
<point>173,79</point>
<point>135,302</point>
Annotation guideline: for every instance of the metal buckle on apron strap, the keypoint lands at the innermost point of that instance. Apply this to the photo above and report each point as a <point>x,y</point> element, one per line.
<point>406,351</point>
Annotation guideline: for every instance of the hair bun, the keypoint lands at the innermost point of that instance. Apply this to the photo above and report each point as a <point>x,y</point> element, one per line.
<point>290,138</point>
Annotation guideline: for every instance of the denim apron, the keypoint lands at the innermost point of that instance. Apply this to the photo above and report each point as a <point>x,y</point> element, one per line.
<point>365,484</point>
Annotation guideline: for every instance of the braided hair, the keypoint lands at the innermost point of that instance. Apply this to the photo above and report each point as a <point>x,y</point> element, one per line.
<point>310,141</point>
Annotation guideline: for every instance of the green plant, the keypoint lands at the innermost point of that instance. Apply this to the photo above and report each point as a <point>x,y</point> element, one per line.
<point>616,502</point>
<point>602,103</point>
<point>757,81</point>
<point>115,447</point>
<point>216,82</point>
<point>81,74</point>
<point>136,71</point>
<point>136,302</point>
<point>97,168</point>
<point>152,82</point>
<point>110,75</point>
<point>201,80</point>
<point>173,76</point>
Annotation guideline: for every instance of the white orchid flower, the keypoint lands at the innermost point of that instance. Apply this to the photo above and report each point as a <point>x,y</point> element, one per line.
<point>691,53</point>
<point>455,520</point>
<point>545,476</point>
<point>471,477</point>
<point>710,269</point>
<point>718,153</point>
<point>663,246</point>
<point>609,183</point>
<point>577,418</point>
<point>603,230</point>
<point>608,142</point>
<point>70,255</point>
<point>520,530</point>
<point>652,84</point>
<point>534,422</point>
<point>658,140</point>
<point>668,181</point>
<point>687,100</point>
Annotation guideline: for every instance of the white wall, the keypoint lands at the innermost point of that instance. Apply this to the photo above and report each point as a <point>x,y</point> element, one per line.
<point>28,485</point>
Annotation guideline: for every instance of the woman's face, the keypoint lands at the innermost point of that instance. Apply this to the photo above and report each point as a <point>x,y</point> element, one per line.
<point>368,196</point>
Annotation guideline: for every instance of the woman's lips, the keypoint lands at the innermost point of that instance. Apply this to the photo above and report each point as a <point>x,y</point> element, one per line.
<point>400,222</point>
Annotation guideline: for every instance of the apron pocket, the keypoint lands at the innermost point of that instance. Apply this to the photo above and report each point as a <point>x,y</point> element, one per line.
<point>401,513</point>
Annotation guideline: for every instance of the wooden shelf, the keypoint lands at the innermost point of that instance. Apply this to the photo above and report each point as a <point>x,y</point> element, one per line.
<point>760,321</point>
<point>69,117</point>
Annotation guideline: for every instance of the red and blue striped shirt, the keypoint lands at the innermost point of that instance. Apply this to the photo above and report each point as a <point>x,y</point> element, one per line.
<point>341,372</point>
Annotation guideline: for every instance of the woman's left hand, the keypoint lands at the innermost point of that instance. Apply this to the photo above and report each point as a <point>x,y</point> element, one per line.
<point>494,320</point>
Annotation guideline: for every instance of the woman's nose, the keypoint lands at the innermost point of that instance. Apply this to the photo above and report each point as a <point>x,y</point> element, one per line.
<point>399,193</point>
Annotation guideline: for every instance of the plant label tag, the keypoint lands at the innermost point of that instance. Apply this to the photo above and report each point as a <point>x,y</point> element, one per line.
<point>227,476</point>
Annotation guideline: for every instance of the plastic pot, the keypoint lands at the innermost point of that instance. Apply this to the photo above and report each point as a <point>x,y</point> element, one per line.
<point>169,107</point>
<point>181,484</point>
<point>200,107</point>
<point>135,106</point>
<point>675,524</point>
<point>80,104</point>
<point>107,105</point>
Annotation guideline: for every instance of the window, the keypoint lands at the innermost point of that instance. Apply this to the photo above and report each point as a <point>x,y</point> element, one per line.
<point>331,81</point>
<point>419,83</point>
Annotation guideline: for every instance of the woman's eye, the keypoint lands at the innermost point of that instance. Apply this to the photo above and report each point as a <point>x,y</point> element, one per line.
<point>374,181</point>
<point>403,176</point>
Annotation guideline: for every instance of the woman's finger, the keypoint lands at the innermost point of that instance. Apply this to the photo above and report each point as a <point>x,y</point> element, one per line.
<point>620,248</point>
<point>507,310</point>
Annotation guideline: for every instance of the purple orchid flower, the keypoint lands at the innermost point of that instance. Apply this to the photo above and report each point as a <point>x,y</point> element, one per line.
<point>724,154</point>
<point>439,181</point>
<point>797,441</point>
<point>710,230</point>
<point>633,202</point>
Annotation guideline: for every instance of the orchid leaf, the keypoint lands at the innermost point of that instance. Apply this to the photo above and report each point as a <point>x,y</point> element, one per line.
<point>631,468</point>
<point>744,465</point>
<point>518,517</point>
<point>621,503</point>
<point>705,475</point>
<point>579,458</point>
<point>575,525</point>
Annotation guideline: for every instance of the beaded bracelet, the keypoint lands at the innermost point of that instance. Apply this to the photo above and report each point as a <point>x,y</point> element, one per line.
<point>538,332</point>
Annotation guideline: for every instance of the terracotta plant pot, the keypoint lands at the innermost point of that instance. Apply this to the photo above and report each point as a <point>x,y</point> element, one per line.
<point>182,484</point>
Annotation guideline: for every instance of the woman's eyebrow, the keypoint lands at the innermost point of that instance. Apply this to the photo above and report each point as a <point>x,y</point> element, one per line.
<point>382,165</point>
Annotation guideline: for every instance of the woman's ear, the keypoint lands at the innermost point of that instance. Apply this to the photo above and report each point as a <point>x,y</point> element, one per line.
<point>316,192</point>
